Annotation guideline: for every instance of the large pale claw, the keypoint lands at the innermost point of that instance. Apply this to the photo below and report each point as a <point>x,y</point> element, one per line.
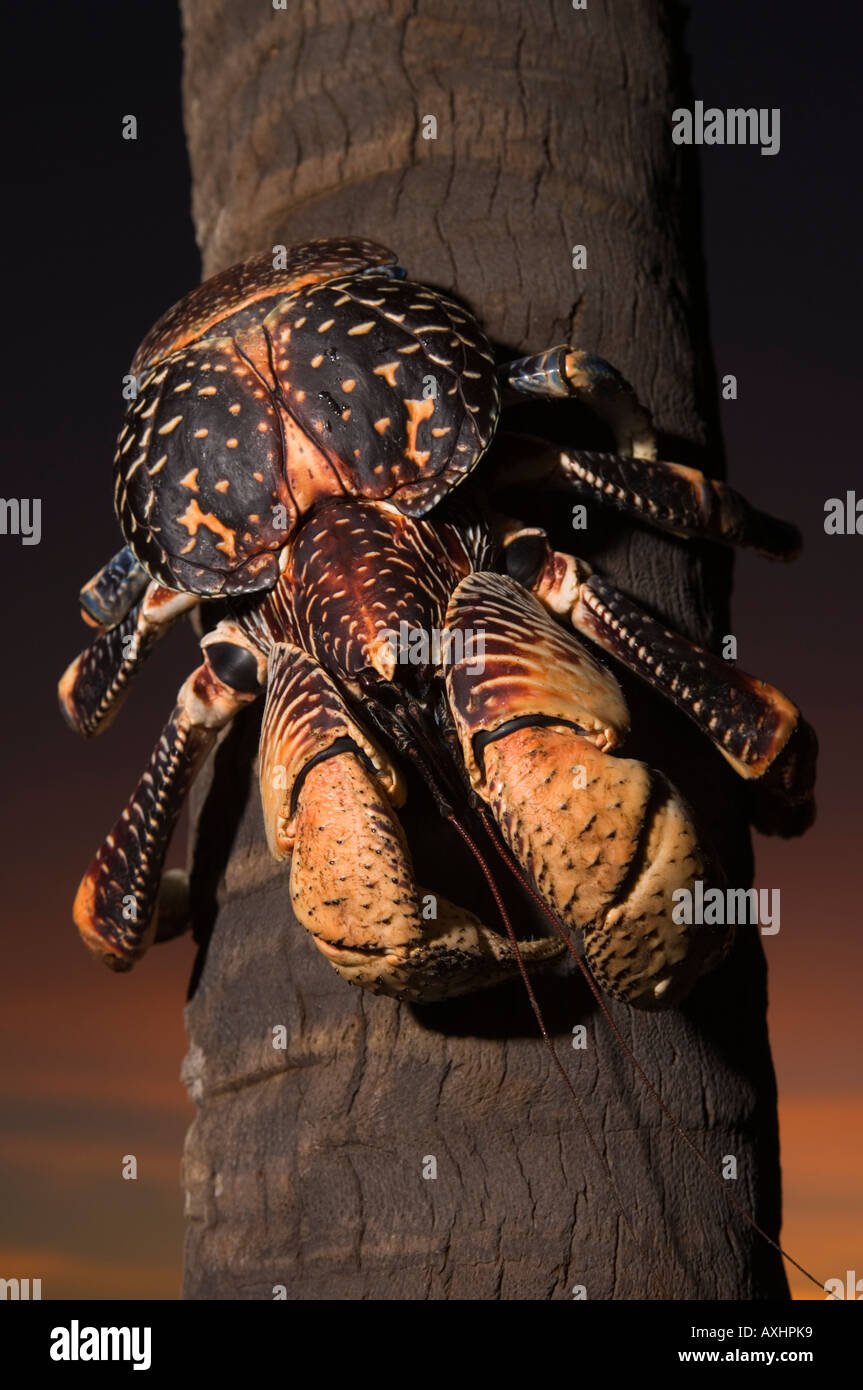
<point>457,955</point>
<point>352,886</point>
<point>607,843</point>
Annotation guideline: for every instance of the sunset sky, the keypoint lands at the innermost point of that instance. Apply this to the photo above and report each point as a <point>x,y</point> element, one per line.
<point>90,1062</point>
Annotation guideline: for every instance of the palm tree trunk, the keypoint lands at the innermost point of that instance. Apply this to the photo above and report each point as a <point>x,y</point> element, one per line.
<point>304,1169</point>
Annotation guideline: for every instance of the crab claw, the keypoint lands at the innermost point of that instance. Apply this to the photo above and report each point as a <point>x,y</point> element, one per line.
<point>352,886</point>
<point>457,955</point>
<point>608,842</point>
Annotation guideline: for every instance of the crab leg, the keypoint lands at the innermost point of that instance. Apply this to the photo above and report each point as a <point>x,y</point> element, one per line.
<point>667,495</point>
<point>107,597</point>
<point>92,689</point>
<point>678,499</point>
<point>564,372</point>
<point>605,839</point>
<point>754,726</point>
<point>116,905</point>
<point>328,794</point>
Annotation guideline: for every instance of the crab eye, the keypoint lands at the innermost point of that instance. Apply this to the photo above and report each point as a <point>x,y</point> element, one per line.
<point>234,666</point>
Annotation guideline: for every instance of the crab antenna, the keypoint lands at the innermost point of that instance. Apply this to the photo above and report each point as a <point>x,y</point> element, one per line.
<point>510,860</point>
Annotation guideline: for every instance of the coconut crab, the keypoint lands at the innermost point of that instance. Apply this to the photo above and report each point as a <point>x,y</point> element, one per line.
<point>299,466</point>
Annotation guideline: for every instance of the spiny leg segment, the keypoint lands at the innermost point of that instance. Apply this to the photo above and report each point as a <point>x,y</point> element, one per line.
<point>116,908</point>
<point>107,597</point>
<point>669,496</point>
<point>755,727</point>
<point>94,686</point>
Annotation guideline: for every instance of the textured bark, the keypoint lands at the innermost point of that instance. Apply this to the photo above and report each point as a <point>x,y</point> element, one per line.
<point>304,1166</point>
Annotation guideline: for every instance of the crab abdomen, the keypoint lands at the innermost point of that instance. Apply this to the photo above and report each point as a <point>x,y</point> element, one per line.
<point>365,588</point>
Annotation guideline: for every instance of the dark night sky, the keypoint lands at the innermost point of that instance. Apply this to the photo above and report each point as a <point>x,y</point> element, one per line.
<point>99,241</point>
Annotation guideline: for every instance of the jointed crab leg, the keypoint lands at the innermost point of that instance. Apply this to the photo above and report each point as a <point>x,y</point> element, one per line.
<point>678,499</point>
<point>93,687</point>
<point>756,728</point>
<point>107,597</point>
<point>565,372</point>
<point>115,908</point>
<point>667,495</point>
